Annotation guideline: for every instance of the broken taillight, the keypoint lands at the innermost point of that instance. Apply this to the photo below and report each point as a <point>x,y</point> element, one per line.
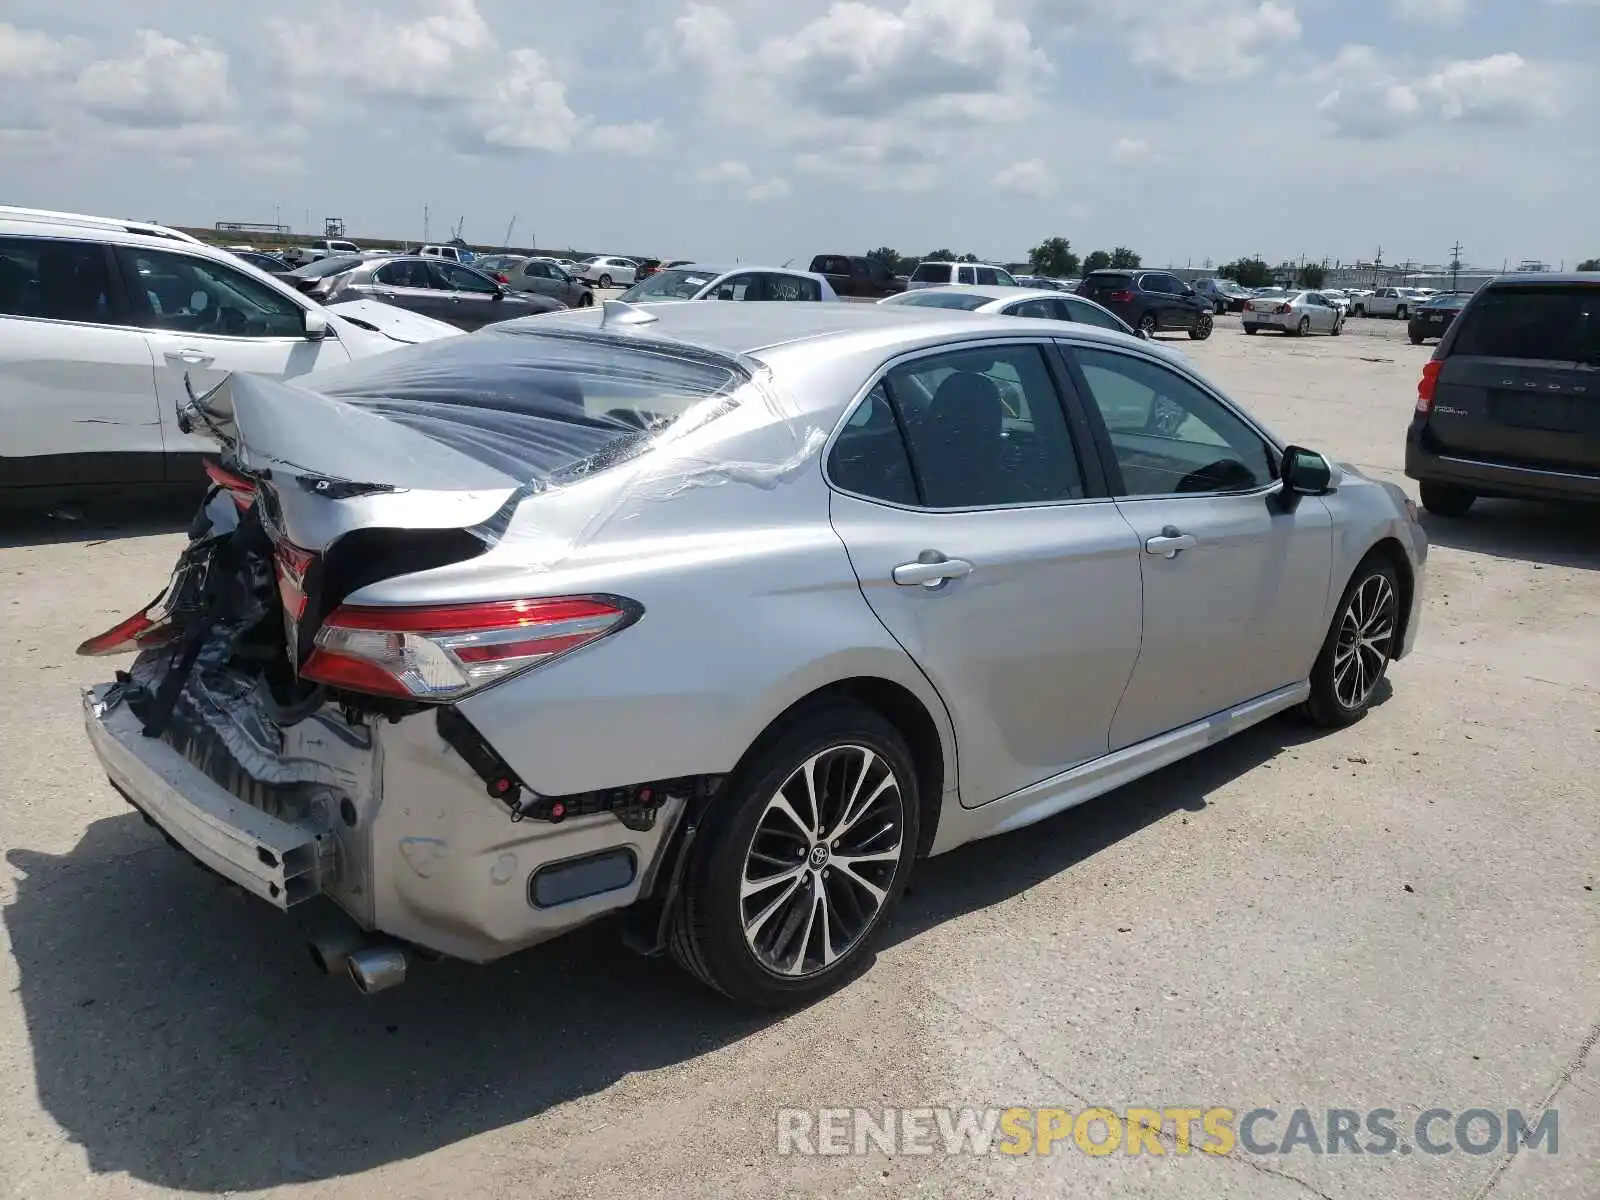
<point>237,486</point>
<point>146,628</point>
<point>444,652</point>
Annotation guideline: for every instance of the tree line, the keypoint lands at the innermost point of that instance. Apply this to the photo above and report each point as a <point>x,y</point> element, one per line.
<point>1053,257</point>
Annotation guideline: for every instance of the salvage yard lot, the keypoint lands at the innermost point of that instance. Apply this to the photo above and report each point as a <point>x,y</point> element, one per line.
<point>1398,915</point>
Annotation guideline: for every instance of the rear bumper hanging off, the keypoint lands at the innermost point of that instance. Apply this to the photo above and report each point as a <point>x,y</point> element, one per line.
<point>283,862</point>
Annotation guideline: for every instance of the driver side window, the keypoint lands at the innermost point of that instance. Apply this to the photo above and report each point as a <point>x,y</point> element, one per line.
<point>196,295</point>
<point>1169,436</point>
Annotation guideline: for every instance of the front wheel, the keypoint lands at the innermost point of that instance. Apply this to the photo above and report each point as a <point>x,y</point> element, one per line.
<point>1358,648</point>
<point>800,859</point>
<point>1400,313</point>
<point>1338,326</point>
<point>1444,500</point>
<point>1358,311</point>
<point>1203,325</point>
<point>1219,309</point>
<point>586,300</point>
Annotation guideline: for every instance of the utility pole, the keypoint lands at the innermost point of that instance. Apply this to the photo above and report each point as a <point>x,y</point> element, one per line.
<point>1455,263</point>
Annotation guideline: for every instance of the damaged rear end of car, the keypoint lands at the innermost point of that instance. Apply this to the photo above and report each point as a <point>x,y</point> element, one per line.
<point>298,730</point>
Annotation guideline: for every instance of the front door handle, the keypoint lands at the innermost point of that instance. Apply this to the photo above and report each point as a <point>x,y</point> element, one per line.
<point>931,570</point>
<point>1170,542</point>
<point>193,358</point>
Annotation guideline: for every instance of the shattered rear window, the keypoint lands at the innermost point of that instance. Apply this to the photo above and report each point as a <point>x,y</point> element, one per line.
<point>541,406</point>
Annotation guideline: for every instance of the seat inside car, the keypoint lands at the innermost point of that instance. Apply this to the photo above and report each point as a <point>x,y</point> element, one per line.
<point>962,442</point>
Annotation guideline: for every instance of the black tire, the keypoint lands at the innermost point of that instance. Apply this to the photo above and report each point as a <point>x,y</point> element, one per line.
<point>1416,339</point>
<point>1303,328</point>
<point>1347,672</point>
<point>708,932</point>
<point>1338,326</point>
<point>605,281</point>
<point>586,300</point>
<point>1149,324</point>
<point>1252,330</point>
<point>1358,311</point>
<point>1400,313</point>
<point>1447,500</point>
<point>1219,309</point>
<point>1202,327</point>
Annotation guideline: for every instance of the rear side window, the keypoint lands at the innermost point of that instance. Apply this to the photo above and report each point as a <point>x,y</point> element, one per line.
<point>1088,314</point>
<point>57,280</point>
<point>1555,322</point>
<point>931,273</point>
<point>987,277</point>
<point>963,301</point>
<point>1108,283</point>
<point>869,456</point>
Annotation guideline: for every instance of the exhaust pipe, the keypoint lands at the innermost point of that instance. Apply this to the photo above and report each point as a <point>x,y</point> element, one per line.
<point>377,968</point>
<point>331,950</point>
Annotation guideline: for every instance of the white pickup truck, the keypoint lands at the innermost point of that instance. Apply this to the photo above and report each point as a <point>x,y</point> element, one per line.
<point>299,256</point>
<point>1388,302</point>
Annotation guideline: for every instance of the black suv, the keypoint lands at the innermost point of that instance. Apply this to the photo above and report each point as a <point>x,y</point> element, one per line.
<point>1509,405</point>
<point>1150,301</point>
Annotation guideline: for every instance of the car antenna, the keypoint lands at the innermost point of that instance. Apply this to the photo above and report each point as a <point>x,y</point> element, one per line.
<point>620,312</point>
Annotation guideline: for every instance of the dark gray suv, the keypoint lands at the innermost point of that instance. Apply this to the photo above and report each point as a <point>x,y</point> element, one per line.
<point>1509,405</point>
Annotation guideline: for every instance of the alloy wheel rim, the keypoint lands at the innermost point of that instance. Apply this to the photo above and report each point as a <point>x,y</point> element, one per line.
<point>1366,641</point>
<point>820,864</point>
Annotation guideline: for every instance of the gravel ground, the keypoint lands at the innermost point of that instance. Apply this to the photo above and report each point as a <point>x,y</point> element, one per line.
<point>1399,915</point>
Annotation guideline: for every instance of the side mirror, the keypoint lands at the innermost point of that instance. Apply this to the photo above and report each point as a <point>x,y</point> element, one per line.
<point>1188,291</point>
<point>315,324</point>
<point>1304,473</point>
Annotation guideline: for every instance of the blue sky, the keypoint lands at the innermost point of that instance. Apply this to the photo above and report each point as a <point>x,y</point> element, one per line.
<point>1191,129</point>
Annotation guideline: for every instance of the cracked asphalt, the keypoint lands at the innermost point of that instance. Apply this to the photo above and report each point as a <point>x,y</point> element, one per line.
<point>1399,915</point>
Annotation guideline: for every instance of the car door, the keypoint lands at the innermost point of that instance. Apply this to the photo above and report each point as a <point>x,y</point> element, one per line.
<point>408,283</point>
<point>1166,299</point>
<point>204,320</point>
<point>1234,587</point>
<point>983,541</point>
<point>539,279</point>
<point>77,379</point>
<point>1070,308</point>
<point>472,299</point>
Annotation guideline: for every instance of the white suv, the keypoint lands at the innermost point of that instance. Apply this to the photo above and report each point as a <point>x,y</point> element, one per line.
<point>942,274</point>
<point>100,322</point>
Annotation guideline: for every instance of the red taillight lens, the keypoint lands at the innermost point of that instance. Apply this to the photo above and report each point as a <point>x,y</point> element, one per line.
<point>1121,297</point>
<point>240,488</point>
<point>1283,310</point>
<point>499,278</point>
<point>138,632</point>
<point>1426,386</point>
<point>444,652</point>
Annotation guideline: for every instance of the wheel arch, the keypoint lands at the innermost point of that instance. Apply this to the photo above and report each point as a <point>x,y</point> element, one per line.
<point>904,710</point>
<point>1389,550</point>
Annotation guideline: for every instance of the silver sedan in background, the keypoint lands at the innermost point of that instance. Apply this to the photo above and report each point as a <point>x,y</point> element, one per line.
<point>720,617</point>
<point>1044,303</point>
<point>1295,313</point>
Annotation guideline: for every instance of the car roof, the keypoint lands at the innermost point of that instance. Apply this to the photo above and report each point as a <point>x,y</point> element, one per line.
<point>1527,277</point>
<point>994,291</point>
<point>737,268</point>
<point>761,328</point>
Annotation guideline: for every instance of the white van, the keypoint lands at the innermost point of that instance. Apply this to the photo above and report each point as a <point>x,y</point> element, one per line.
<point>101,323</point>
<point>942,274</point>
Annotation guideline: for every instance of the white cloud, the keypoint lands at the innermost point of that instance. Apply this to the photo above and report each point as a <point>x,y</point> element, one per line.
<point>1193,41</point>
<point>730,171</point>
<point>1126,149</point>
<point>873,89</point>
<point>636,138</point>
<point>772,189</point>
<point>29,53</point>
<point>1373,98</point>
<point>163,84</point>
<point>1031,177</point>
<point>444,65</point>
<point>1430,12</point>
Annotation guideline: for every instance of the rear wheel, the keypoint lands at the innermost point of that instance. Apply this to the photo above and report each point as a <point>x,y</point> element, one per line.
<point>1219,308</point>
<point>1358,647</point>
<point>586,300</point>
<point>1252,330</point>
<point>1446,500</point>
<point>1416,339</point>
<point>801,858</point>
<point>1358,311</point>
<point>1147,324</point>
<point>1303,328</point>
<point>1203,325</point>
<point>605,281</point>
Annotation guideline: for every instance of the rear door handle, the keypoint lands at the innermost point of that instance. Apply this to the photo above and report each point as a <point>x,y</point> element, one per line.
<point>931,570</point>
<point>1170,543</point>
<point>192,357</point>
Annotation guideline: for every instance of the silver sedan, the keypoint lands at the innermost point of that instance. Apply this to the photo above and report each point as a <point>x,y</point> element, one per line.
<point>1296,313</point>
<point>1044,303</point>
<point>720,617</point>
<point>698,282</point>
